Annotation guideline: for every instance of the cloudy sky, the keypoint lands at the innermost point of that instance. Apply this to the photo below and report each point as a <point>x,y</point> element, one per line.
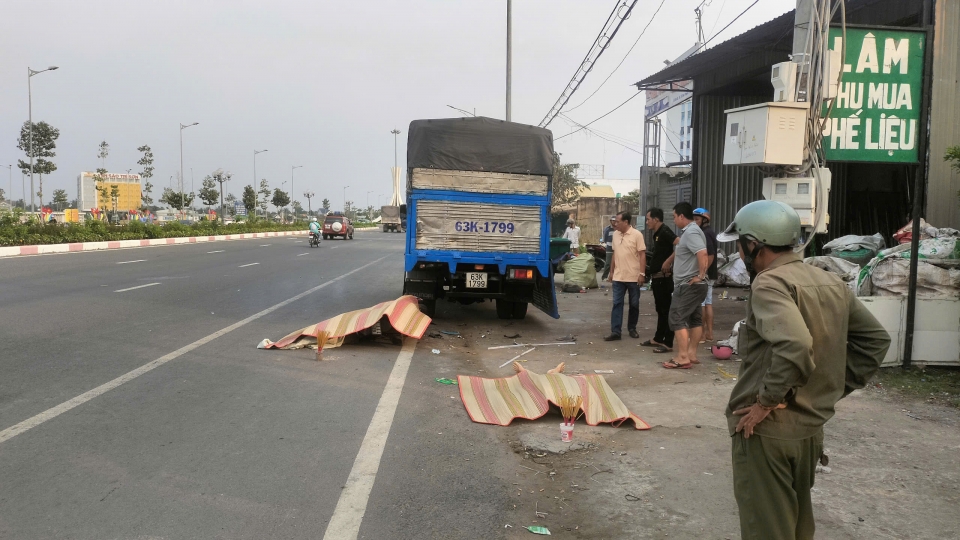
<point>321,83</point>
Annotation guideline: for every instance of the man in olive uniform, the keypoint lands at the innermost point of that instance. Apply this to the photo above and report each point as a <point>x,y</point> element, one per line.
<point>807,343</point>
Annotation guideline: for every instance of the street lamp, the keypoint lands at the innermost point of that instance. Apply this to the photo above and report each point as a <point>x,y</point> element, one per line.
<point>10,193</point>
<point>256,192</point>
<point>31,73</point>
<point>183,127</point>
<point>284,215</point>
<point>309,195</point>
<point>293,168</point>
<point>368,197</point>
<point>222,177</point>
<point>345,200</point>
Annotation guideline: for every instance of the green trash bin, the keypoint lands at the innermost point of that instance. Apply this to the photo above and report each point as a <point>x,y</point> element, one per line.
<point>559,246</point>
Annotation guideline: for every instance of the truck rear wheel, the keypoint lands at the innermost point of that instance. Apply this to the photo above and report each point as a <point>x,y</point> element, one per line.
<point>519,310</point>
<point>504,309</point>
<point>428,307</point>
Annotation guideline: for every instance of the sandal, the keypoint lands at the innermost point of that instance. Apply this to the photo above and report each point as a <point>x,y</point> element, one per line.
<point>650,343</point>
<point>662,350</point>
<point>670,364</point>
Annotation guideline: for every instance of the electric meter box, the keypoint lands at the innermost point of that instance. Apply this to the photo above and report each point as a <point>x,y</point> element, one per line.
<point>800,193</point>
<point>765,134</point>
<point>783,76</point>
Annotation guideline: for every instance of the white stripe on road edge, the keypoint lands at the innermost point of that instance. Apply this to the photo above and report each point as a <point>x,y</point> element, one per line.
<point>131,262</point>
<point>217,251</point>
<point>137,287</point>
<point>346,519</point>
<point>246,265</point>
<point>35,421</point>
<point>302,254</point>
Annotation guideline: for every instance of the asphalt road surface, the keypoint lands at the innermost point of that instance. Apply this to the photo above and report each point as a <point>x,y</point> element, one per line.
<point>134,403</point>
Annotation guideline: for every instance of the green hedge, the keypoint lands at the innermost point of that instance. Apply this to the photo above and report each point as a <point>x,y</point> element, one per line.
<point>14,233</point>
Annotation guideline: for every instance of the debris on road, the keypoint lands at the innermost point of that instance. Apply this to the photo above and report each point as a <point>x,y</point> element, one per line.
<point>515,336</point>
<point>444,380</point>
<point>435,351</point>
<point>449,333</point>
<point>603,371</point>
<point>517,356</point>
<point>530,345</point>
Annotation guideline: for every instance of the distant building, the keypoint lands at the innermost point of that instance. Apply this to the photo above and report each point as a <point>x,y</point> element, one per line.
<point>129,187</point>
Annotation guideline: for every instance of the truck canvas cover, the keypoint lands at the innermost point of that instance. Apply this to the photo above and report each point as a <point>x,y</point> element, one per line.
<point>482,144</point>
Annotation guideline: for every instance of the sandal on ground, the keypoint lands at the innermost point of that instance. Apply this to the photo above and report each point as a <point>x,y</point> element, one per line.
<point>662,350</point>
<point>670,364</point>
<point>695,361</point>
<point>650,343</point>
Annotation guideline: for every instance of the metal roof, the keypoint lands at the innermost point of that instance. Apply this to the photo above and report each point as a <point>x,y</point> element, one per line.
<point>760,38</point>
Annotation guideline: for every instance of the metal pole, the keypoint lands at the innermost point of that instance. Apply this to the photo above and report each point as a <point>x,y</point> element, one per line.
<point>181,171</point>
<point>918,195</point>
<point>293,168</point>
<point>256,192</point>
<point>10,168</point>
<point>30,119</point>
<point>509,53</point>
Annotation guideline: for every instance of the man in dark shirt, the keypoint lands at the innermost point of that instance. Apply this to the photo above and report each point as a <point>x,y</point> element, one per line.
<point>661,283</point>
<point>702,217</point>
<point>607,241</point>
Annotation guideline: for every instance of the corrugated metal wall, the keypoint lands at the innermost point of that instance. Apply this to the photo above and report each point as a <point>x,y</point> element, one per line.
<point>721,189</point>
<point>943,183</point>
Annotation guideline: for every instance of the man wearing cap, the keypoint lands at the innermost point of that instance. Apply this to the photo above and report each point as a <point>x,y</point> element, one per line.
<point>606,239</point>
<point>573,234</point>
<point>702,218</point>
<point>807,343</point>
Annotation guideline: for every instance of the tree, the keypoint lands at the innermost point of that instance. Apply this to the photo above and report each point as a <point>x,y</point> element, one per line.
<point>631,201</point>
<point>566,185</point>
<point>297,209</point>
<point>146,174</point>
<point>325,204</point>
<point>60,199</point>
<point>174,200</point>
<point>209,192</point>
<point>280,199</point>
<point>44,143</point>
<point>249,199</point>
<point>264,195</point>
<point>3,196</point>
<point>231,207</point>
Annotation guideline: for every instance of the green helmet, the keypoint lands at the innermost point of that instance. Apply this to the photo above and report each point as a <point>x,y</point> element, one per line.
<point>770,222</point>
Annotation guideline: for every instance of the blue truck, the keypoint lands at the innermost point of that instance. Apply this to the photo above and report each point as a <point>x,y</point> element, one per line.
<point>478,205</point>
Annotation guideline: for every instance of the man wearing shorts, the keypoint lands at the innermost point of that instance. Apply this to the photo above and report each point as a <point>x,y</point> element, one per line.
<point>690,264</point>
<point>702,218</point>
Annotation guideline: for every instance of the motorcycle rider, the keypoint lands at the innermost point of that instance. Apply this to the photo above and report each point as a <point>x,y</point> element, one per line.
<point>315,229</point>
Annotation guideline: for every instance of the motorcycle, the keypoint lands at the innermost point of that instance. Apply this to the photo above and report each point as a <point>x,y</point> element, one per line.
<point>599,252</point>
<point>314,240</point>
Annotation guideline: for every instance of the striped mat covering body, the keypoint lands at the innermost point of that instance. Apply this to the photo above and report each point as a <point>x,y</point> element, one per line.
<point>403,313</point>
<point>528,395</point>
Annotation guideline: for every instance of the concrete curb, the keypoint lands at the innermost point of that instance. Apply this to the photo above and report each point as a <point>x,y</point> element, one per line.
<point>12,251</point>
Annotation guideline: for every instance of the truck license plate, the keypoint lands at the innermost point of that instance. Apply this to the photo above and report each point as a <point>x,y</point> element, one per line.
<point>476,280</point>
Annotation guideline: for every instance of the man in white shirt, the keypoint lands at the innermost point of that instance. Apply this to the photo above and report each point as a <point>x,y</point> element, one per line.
<point>573,234</point>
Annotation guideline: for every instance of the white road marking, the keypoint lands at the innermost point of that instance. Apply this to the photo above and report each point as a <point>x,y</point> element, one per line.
<point>346,519</point>
<point>246,265</point>
<point>302,254</point>
<point>217,251</point>
<point>35,421</point>
<point>265,245</point>
<point>137,287</point>
<point>131,262</point>
<point>334,247</point>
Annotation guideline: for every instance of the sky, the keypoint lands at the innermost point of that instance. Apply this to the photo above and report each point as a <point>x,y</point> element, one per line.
<point>321,84</point>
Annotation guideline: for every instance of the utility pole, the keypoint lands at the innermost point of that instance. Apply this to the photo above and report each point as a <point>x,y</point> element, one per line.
<point>293,168</point>
<point>509,53</point>
<point>183,127</point>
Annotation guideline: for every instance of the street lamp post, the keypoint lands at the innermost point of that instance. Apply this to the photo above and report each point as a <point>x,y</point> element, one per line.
<point>309,195</point>
<point>345,199</point>
<point>222,177</point>
<point>293,168</point>
<point>368,197</point>
<point>474,113</point>
<point>183,127</point>
<point>31,73</point>
<point>256,192</point>
<point>284,214</point>
<point>10,193</point>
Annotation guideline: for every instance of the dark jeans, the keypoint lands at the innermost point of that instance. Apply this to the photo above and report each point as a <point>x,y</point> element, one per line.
<point>606,264</point>
<point>662,292</point>
<point>620,288</point>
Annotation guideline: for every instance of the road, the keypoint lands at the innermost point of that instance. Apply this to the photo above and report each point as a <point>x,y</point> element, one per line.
<point>220,439</point>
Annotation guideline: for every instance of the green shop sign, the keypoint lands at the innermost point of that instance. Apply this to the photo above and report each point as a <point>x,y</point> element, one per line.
<point>876,115</point>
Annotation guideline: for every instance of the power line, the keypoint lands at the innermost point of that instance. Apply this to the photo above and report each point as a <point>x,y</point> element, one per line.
<point>601,118</point>
<point>624,57</point>
<point>587,64</point>
<point>601,136</point>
